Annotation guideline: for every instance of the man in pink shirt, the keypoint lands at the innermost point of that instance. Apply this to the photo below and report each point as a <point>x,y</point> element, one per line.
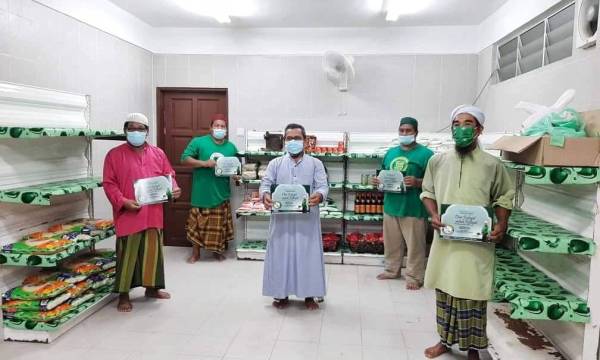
<point>139,228</point>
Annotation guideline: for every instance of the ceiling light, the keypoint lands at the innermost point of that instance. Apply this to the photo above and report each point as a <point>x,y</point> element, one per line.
<point>395,8</point>
<point>220,10</point>
<point>375,5</point>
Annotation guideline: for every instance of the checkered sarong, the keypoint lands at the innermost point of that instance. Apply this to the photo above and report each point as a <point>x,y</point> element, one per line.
<point>212,228</point>
<point>461,321</point>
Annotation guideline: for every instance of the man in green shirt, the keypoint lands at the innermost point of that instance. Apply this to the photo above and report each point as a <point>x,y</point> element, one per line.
<point>404,221</point>
<point>461,272</point>
<point>210,224</point>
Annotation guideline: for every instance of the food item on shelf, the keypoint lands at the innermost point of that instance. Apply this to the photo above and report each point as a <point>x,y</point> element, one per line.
<point>48,275</point>
<point>262,171</point>
<point>250,171</point>
<point>42,291</point>
<point>12,306</point>
<point>91,263</point>
<point>371,243</point>
<point>60,237</point>
<point>331,242</point>
<point>41,316</point>
<point>359,205</point>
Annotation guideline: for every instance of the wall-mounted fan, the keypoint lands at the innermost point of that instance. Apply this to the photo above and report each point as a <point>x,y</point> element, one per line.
<point>586,23</point>
<point>339,69</point>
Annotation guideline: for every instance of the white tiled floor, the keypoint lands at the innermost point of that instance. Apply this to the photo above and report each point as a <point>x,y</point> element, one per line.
<point>217,312</point>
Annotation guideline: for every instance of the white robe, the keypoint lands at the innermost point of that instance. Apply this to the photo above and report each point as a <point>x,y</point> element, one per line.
<point>294,260</point>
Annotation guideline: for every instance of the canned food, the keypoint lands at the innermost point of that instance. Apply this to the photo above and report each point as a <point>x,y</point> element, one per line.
<point>364,179</point>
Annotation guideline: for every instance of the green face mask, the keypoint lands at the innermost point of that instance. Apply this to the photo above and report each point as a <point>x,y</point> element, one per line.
<point>463,136</point>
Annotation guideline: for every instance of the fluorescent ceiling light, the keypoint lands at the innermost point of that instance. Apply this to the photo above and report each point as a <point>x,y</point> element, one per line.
<point>220,10</point>
<point>395,8</point>
<point>375,5</point>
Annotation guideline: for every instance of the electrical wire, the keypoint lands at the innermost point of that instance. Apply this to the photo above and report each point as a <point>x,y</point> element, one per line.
<point>476,97</point>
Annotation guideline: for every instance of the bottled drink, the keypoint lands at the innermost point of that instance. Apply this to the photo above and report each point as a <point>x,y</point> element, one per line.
<point>370,203</point>
<point>358,204</point>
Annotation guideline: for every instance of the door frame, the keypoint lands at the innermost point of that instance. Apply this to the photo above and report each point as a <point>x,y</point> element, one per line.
<point>161,129</point>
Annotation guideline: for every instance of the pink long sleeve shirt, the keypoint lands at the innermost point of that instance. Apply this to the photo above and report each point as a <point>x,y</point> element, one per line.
<point>122,167</point>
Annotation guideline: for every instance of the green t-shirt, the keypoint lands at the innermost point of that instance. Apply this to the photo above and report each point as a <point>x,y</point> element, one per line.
<point>208,190</point>
<point>410,163</point>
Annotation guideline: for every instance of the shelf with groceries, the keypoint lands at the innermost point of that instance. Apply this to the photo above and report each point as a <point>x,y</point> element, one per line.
<point>42,194</point>
<point>49,302</point>
<point>57,243</point>
<point>252,206</point>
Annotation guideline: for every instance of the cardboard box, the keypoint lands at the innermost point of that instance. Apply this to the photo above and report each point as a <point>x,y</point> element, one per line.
<point>536,150</point>
<point>592,123</point>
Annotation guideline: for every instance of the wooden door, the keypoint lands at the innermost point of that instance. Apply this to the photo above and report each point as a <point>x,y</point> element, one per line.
<point>182,115</point>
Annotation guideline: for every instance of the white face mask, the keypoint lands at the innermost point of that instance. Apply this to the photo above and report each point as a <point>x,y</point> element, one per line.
<point>406,139</point>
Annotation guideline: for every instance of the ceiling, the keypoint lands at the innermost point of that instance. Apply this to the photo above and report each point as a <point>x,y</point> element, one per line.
<point>314,13</point>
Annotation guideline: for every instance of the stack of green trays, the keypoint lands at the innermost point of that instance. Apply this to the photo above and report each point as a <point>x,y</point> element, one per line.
<point>532,294</point>
<point>534,234</point>
<point>548,175</point>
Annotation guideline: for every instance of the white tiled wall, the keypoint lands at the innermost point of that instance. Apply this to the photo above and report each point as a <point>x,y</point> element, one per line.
<point>270,91</point>
<point>41,47</point>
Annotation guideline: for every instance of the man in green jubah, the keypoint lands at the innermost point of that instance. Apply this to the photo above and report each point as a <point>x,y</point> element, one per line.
<point>462,272</point>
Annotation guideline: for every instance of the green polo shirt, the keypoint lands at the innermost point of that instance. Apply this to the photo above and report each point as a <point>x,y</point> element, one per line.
<point>208,190</point>
<point>411,163</point>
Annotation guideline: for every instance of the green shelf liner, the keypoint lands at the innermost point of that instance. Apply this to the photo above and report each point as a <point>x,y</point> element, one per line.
<point>360,187</point>
<point>253,181</point>
<point>351,216</point>
<point>534,234</point>
<point>532,294</point>
<point>41,194</point>
<point>55,324</point>
<point>336,186</point>
<point>7,258</point>
<point>253,245</point>
<point>365,156</point>
<point>35,133</point>
<point>545,175</point>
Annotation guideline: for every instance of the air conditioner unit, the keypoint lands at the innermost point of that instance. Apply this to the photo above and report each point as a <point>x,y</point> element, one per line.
<point>586,23</point>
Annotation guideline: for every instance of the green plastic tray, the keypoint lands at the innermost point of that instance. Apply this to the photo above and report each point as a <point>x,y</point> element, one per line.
<point>35,133</point>
<point>534,234</point>
<point>532,294</point>
<point>545,175</point>
<point>360,187</point>
<point>52,260</point>
<point>41,194</point>
<point>351,216</point>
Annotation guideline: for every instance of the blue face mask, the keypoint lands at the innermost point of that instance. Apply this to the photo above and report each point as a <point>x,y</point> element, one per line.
<point>294,147</point>
<point>219,134</point>
<point>406,139</point>
<point>136,138</point>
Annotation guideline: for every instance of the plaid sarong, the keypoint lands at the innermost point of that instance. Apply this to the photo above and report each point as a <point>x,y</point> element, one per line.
<point>140,261</point>
<point>210,228</point>
<point>461,321</point>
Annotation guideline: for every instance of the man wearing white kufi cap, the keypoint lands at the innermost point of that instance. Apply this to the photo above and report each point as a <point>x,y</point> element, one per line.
<point>461,272</point>
<point>139,227</point>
